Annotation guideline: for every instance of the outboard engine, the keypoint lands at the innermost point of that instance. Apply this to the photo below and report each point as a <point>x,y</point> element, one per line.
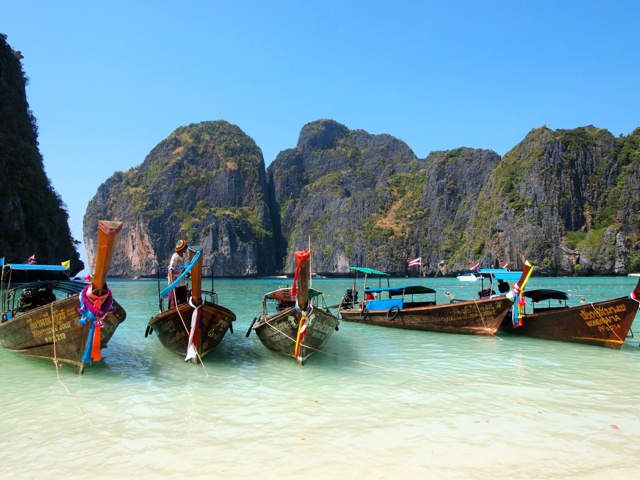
<point>349,299</point>
<point>28,299</point>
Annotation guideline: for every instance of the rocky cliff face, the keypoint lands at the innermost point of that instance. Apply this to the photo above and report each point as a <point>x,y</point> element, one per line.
<point>205,183</point>
<point>337,190</point>
<point>33,218</point>
<point>560,199</point>
<point>565,200</point>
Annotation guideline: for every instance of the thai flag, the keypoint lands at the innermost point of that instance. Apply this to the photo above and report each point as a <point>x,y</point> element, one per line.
<point>474,267</point>
<point>416,262</point>
<point>504,265</point>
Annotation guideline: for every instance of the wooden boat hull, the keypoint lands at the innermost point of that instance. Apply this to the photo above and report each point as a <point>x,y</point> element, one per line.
<point>474,317</point>
<point>172,328</point>
<point>63,339</point>
<point>279,332</point>
<point>605,324</point>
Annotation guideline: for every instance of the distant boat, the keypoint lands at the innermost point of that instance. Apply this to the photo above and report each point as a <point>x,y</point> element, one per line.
<point>414,307</point>
<point>298,324</point>
<point>605,324</point>
<point>195,328</point>
<point>67,322</point>
<point>469,277</point>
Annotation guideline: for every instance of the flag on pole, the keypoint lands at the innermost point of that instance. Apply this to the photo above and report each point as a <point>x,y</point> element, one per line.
<point>31,260</point>
<point>504,265</point>
<point>474,267</point>
<point>67,264</point>
<point>416,262</point>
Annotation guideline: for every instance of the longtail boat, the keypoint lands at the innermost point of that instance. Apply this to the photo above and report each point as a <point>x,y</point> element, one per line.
<point>414,307</point>
<point>605,324</point>
<point>64,321</point>
<point>195,328</point>
<point>301,324</point>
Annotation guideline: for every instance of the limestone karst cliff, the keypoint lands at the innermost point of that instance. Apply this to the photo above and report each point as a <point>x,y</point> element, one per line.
<point>566,200</point>
<point>205,183</point>
<point>33,217</point>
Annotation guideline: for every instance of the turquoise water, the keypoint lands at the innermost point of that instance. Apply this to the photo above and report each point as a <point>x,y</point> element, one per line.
<point>377,403</point>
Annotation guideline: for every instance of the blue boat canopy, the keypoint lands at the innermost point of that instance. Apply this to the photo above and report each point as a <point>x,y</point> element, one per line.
<point>25,272</point>
<point>36,266</point>
<point>402,290</point>
<point>500,274</point>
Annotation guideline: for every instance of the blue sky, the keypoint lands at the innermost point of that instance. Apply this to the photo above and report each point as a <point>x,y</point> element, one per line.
<point>109,80</point>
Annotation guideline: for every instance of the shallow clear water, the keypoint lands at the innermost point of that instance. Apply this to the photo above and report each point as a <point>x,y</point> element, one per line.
<point>376,403</point>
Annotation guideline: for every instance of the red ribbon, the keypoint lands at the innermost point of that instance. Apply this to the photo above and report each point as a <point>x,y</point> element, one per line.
<point>299,255</point>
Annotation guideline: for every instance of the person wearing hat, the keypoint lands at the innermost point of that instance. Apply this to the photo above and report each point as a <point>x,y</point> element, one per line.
<point>179,260</point>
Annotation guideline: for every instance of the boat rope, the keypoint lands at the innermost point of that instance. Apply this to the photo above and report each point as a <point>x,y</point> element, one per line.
<point>396,370</point>
<point>55,362</point>
<point>298,342</point>
<point>476,303</point>
<point>186,329</point>
<point>379,367</point>
<point>604,320</point>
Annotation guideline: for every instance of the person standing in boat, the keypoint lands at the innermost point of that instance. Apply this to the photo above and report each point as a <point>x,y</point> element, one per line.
<point>179,260</point>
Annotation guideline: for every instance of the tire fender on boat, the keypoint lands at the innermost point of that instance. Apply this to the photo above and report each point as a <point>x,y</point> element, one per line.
<point>393,313</point>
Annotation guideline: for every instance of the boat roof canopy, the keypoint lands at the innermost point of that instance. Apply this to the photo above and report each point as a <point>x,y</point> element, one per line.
<point>369,271</point>
<point>545,294</point>
<point>70,287</point>
<point>500,273</point>
<point>24,272</point>
<point>36,266</point>
<point>402,290</point>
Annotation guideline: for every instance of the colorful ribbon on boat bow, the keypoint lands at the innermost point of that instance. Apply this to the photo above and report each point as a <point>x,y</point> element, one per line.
<point>302,326</point>
<point>196,319</point>
<point>302,330</point>
<point>94,308</point>
<point>300,255</point>
<point>517,295</point>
